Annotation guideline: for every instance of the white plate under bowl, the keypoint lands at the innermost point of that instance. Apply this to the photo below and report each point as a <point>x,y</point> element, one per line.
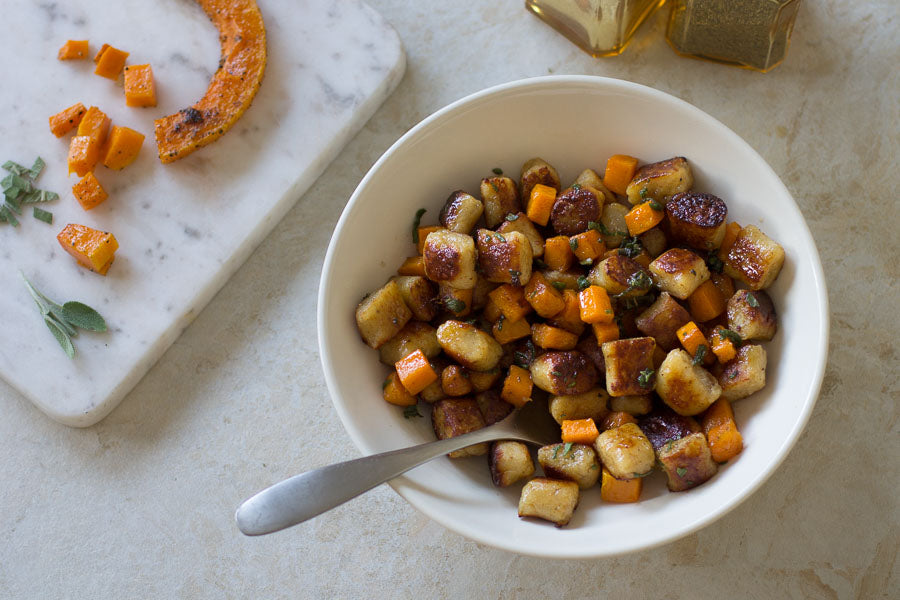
<point>573,122</point>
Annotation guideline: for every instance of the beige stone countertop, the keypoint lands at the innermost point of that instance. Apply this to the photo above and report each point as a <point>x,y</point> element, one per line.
<point>141,504</point>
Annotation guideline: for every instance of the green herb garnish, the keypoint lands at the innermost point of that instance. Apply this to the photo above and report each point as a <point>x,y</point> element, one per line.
<point>731,335</point>
<point>42,215</point>
<point>454,305</point>
<point>586,262</point>
<point>573,244</point>
<point>500,322</point>
<point>644,378</point>
<point>714,262</point>
<point>752,301</point>
<point>639,280</point>
<point>567,448</point>
<point>524,359</point>
<point>583,283</point>
<point>411,412</point>
<point>415,226</point>
<point>512,217</point>
<point>556,373</point>
<point>701,354</point>
<point>558,285</point>
<point>631,247</point>
<point>63,320</point>
<point>540,264</point>
<point>681,471</point>
<point>576,186</point>
<point>18,189</point>
<point>556,450</point>
<point>656,206</point>
<point>497,171</point>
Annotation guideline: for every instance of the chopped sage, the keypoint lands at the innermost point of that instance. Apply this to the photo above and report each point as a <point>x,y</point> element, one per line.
<point>415,227</point>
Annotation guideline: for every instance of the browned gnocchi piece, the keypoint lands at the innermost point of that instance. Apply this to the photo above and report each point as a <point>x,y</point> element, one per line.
<point>751,314</point>
<point>745,374</point>
<point>660,180</point>
<point>661,321</point>
<point>452,417</point>
<point>504,257</point>
<point>589,405</point>
<point>619,274</point>
<point>574,462</point>
<point>612,218</point>
<point>629,366</point>
<point>590,178</point>
<point>563,373</point>
<point>534,171</point>
<point>419,294</point>
<point>450,258</point>
<point>523,225</point>
<point>493,408</point>
<point>679,272</point>
<point>687,462</point>
<point>460,212</point>
<point>574,209</point>
<point>754,258</point>
<point>686,388</point>
<point>697,220</point>
<point>625,451</point>
<point>509,462</point>
<point>633,405</point>
<point>552,500</point>
<point>415,335</point>
<point>381,315</point>
<point>500,198</point>
<point>469,346</point>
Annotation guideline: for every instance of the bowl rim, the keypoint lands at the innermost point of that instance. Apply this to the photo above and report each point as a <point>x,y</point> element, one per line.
<point>535,84</point>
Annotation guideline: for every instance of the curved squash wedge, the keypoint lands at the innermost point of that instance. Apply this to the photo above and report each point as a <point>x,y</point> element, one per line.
<point>232,88</point>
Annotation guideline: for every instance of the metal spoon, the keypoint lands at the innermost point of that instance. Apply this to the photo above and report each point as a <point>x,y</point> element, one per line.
<point>309,494</point>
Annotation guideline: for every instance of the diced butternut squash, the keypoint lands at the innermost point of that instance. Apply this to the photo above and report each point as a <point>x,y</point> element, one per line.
<point>510,299</point>
<point>140,89</point>
<point>706,302</point>
<point>605,332</point>
<point>517,386</point>
<point>721,345</point>
<point>569,318</point>
<point>73,50</point>
<point>725,441</point>
<point>731,232</point>
<point>579,431</point>
<point>506,331</point>
<point>619,490</point>
<point>414,265</point>
<point>100,52</point>
<point>595,305</point>
<point>620,169</point>
<point>395,393</point>
<point>89,192</point>
<point>540,203</point>
<point>587,245</point>
<point>558,253</point>
<point>94,124</point>
<point>692,338</point>
<point>423,233</point>
<point>415,372</point>
<point>643,218</point>
<point>552,338</point>
<point>84,153</point>
<point>93,249</point>
<point>66,120</point>
<point>122,148</point>
<point>543,297</point>
<point>110,63</point>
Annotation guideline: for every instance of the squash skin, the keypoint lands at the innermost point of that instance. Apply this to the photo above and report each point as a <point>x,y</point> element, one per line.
<point>232,87</point>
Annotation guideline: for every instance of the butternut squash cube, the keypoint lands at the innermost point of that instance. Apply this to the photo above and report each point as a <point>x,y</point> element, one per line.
<point>84,153</point>
<point>94,124</point>
<point>93,249</point>
<point>66,120</point>
<point>122,148</point>
<point>140,89</point>
<point>110,62</point>
<point>73,50</point>
<point>89,192</point>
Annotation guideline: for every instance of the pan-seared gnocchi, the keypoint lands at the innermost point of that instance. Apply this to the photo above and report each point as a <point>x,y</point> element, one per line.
<point>631,314</point>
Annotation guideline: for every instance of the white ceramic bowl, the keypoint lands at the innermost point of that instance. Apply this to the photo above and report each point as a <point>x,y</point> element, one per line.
<point>573,122</point>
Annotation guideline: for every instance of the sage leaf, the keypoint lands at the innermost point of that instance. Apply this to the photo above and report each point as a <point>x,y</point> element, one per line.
<point>83,316</point>
<point>61,336</point>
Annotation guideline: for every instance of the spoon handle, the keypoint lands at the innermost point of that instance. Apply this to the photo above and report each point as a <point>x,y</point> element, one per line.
<point>309,494</point>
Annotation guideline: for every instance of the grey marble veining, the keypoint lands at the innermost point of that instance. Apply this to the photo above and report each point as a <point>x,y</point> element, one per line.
<point>182,228</point>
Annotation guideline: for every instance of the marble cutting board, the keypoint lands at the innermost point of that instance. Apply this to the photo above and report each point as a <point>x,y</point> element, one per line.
<point>183,228</point>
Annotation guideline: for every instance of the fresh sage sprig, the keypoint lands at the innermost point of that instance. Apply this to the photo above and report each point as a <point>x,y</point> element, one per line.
<point>63,321</point>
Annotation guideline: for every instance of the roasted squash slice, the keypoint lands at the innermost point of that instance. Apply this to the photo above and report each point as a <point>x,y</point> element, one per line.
<point>232,88</point>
